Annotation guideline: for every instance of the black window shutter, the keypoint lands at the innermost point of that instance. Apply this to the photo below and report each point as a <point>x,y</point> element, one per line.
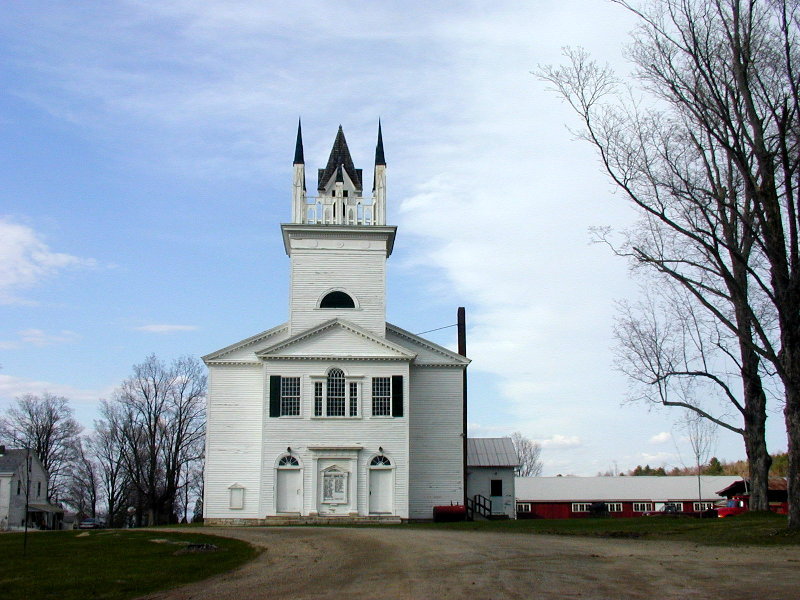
<point>274,395</point>
<point>397,395</point>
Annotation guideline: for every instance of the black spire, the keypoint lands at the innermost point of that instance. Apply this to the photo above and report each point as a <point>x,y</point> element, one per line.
<point>340,155</point>
<point>298,148</point>
<point>379,157</point>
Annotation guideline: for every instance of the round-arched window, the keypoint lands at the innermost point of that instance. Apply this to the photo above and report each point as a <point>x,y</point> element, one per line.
<point>380,461</point>
<point>337,299</point>
<point>288,462</point>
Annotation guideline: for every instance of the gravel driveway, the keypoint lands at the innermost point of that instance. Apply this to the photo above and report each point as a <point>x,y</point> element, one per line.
<point>345,564</point>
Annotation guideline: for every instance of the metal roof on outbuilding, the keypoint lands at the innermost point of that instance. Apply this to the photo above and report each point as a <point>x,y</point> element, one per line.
<point>491,452</point>
<point>642,488</point>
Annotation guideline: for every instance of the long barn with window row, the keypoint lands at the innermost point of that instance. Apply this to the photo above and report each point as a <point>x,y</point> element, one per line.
<point>576,497</point>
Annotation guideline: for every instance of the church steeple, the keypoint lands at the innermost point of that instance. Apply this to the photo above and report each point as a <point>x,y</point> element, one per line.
<point>298,147</point>
<point>339,157</point>
<point>379,158</point>
<point>339,199</point>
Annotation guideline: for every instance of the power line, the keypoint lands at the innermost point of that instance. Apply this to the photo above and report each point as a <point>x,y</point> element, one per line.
<point>437,329</point>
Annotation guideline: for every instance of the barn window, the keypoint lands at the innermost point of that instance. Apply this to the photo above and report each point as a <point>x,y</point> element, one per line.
<point>642,506</point>
<point>614,506</point>
<point>701,506</point>
<point>580,506</point>
<point>337,299</point>
<point>523,507</point>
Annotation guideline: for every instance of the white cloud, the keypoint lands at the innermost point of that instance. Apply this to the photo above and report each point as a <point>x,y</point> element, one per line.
<point>12,387</point>
<point>40,338</point>
<point>561,441</point>
<point>165,328</point>
<point>660,438</point>
<point>25,260</point>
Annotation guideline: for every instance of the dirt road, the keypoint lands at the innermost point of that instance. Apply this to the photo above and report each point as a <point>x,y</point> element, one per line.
<point>389,563</point>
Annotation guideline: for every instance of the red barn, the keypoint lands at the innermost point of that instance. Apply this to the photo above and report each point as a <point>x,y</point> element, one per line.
<point>576,497</point>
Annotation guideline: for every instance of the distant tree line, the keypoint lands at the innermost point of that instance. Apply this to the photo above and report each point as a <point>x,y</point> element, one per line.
<point>779,468</point>
<point>142,464</point>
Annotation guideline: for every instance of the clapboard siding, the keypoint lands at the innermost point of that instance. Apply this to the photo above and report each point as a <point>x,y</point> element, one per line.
<point>366,432</point>
<point>435,441</point>
<point>235,414</point>
<point>360,273</point>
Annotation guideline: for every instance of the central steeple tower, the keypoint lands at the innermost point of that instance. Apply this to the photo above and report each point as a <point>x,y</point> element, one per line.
<point>338,242</point>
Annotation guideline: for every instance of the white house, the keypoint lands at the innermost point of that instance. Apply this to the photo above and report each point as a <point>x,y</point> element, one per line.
<point>24,484</point>
<point>334,413</point>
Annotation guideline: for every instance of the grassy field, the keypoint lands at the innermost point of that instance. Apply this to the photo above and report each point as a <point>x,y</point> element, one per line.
<point>758,529</point>
<point>112,564</point>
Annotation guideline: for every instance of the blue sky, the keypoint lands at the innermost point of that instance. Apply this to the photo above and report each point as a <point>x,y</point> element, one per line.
<point>146,166</point>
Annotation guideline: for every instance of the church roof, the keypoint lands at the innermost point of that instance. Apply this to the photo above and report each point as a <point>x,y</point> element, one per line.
<point>310,344</point>
<point>428,353</point>
<point>340,156</point>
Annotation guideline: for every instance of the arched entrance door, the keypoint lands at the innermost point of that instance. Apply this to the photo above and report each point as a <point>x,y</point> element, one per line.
<point>289,486</point>
<point>381,485</point>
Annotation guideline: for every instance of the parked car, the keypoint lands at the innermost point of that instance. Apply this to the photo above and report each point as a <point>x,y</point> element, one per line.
<point>91,524</point>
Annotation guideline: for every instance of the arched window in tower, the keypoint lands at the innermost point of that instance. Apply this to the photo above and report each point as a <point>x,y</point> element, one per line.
<point>337,299</point>
<point>336,397</point>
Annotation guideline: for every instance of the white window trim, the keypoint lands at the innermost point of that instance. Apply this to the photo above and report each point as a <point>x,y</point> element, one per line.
<point>524,507</point>
<point>236,497</point>
<point>701,506</point>
<point>614,506</point>
<point>642,507</point>
<point>357,379</point>
<point>581,507</point>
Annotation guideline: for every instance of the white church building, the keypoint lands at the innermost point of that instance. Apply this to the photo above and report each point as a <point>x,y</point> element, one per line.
<point>335,413</point>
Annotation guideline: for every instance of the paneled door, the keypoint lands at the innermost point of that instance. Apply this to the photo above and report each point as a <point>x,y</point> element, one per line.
<point>380,491</point>
<point>290,491</point>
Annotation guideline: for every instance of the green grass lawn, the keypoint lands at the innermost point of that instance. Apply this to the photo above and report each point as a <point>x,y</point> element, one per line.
<point>760,529</point>
<point>109,564</point>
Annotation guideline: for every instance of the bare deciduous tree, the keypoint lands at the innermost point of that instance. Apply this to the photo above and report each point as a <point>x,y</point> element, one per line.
<point>702,436</point>
<point>160,412</point>
<point>712,162</point>
<point>107,446</point>
<point>46,426</point>
<point>529,454</point>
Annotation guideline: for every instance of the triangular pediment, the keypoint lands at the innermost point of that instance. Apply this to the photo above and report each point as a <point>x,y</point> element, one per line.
<point>337,339</point>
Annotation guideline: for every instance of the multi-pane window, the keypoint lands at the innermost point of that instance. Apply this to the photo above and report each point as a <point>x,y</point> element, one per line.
<point>353,399</point>
<point>642,506</point>
<point>290,396</point>
<point>614,506</point>
<point>317,398</point>
<point>336,398</point>
<point>701,506</point>
<point>523,507</point>
<point>673,506</point>
<point>381,396</point>
<point>580,506</point>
